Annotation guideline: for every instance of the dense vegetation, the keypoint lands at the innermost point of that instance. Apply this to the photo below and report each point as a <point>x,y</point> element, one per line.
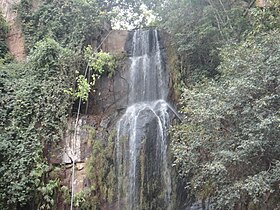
<point>227,147</point>
<point>228,53</point>
<point>73,24</point>
<point>33,115</point>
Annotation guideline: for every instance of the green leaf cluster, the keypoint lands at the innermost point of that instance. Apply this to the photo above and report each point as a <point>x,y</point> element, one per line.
<point>83,89</point>
<point>100,62</point>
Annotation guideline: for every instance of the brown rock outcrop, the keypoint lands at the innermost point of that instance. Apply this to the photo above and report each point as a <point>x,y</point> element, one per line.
<point>15,39</point>
<point>262,3</point>
<point>115,41</point>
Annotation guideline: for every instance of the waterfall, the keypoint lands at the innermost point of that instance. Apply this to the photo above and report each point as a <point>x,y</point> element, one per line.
<point>141,149</point>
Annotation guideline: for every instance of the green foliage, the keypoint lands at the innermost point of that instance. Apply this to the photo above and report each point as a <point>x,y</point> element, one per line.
<point>3,34</point>
<point>81,199</point>
<point>46,191</point>
<point>83,88</point>
<point>100,63</point>
<point>71,23</point>
<point>228,146</point>
<point>198,30</point>
<point>33,112</point>
<point>263,19</point>
<point>66,194</point>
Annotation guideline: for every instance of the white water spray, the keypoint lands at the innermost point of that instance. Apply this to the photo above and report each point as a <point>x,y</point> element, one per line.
<point>142,164</point>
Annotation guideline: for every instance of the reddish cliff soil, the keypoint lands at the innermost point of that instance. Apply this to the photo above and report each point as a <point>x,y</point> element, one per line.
<point>15,39</point>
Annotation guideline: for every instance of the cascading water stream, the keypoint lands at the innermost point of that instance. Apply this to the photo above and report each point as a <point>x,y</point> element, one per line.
<point>142,164</point>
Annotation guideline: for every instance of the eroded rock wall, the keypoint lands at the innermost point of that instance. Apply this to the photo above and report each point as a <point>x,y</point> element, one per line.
<point>115,41</point>
<point>262,3</point>
<point>15,39</point>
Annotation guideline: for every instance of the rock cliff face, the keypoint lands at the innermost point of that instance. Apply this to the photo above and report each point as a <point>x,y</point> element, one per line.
<point>115,41</point>
<point>262,3</point>
<point>15,39</point>
<point>106,105</point>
